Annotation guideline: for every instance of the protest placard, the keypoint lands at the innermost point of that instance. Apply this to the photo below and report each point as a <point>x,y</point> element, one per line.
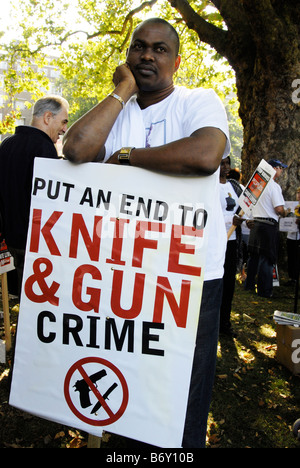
<point>256,185</point>
<point>6,265</point>
<point>6,260</point>
<point>111,297</point>
<point>289,223</point>
<point>254,189</point>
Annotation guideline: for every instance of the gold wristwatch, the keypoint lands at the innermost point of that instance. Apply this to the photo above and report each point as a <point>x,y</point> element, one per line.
<point>124,155</point>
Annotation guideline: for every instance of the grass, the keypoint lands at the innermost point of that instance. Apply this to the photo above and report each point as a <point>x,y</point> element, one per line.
<point>255,402</point>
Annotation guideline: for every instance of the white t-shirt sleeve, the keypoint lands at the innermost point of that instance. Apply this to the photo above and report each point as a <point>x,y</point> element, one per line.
<point>204,108</point>
<point>277,197</point>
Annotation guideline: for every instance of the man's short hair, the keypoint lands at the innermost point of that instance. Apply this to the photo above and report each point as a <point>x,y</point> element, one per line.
<point>166,23</point>
<point>51,103</point>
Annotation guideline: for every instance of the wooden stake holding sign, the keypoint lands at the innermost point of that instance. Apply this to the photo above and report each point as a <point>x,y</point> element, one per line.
<point>94,441</point>
<point>6,316</point>
<point>232,228</point>
<point>253,190</point>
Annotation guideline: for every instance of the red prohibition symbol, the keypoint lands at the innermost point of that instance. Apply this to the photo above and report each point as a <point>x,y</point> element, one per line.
<point>89,384</point>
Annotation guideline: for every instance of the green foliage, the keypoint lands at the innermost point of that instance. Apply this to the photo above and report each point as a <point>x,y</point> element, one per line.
<point>208,11</point>
<point>7,124</point>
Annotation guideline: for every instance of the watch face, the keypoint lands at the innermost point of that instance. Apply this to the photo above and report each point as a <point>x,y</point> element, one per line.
<point>124,157</point>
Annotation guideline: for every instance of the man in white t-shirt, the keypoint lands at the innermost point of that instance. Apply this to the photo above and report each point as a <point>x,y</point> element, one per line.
<point>230,190</point>
<point>264,240</point>
<point>149,123</point>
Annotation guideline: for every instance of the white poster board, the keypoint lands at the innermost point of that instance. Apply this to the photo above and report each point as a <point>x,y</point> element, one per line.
<point>256,185</point>
<point>6,260</point>
<point>288,224</point>
<point>111,297</point>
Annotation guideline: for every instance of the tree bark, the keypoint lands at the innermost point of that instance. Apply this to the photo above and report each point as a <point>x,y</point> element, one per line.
<point>261,43</point>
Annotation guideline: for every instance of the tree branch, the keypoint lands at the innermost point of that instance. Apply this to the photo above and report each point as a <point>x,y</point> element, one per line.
<point>207,32</point>
<point>233,13</point>
<point>128,20</point>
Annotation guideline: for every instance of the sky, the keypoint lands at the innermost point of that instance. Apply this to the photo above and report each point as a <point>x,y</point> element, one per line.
<point>5,7</point>
<point>4,16</point>
<point>6,21</point>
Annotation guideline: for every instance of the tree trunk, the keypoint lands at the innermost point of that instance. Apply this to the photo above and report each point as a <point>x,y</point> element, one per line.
<point>271,122</point>
<point>268,108</point>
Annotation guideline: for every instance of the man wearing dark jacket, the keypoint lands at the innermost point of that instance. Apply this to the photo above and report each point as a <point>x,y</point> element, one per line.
<point>17,154</point>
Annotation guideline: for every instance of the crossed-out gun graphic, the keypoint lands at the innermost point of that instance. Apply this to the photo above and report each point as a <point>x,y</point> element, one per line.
<point>83,388</point>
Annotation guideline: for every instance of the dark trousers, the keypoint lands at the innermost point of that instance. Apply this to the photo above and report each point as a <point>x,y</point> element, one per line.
<point>293,260</point>
<point>260,271</point>
<point>263,249</point>
<point>204,363</point>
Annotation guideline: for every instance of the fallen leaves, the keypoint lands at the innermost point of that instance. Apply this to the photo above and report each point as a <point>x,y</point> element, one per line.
<point>4,374</point>
<point>237,376</point>
<point>77,440</point>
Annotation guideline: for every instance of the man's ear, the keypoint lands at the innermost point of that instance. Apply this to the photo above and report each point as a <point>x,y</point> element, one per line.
<point>177,62</point>
<point>47,117</point>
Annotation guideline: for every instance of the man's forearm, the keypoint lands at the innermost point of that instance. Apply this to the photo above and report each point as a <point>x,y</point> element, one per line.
<point>281,211</point>
<point>85,139</point>
<point>198,154</point>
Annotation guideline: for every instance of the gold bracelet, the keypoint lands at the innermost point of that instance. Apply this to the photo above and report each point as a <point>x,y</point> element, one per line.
<point>118,98</point>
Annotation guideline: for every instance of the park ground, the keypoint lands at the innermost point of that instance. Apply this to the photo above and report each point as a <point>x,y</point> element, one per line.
<point>256,400</point>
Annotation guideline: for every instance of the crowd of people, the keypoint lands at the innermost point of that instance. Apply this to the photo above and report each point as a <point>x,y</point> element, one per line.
<point>150,123</point>
<point>253,247</point>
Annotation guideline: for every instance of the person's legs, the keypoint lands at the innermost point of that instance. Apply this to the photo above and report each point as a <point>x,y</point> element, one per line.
<point>252,266</point>
<point>230,269</point>
<point>265,277</point>
<point>292,260</point>
<point>19,259</point>
<point>204,363</point>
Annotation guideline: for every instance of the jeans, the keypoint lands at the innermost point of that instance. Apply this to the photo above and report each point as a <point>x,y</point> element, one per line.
<point>230,268</point>
<point>204,364</point>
